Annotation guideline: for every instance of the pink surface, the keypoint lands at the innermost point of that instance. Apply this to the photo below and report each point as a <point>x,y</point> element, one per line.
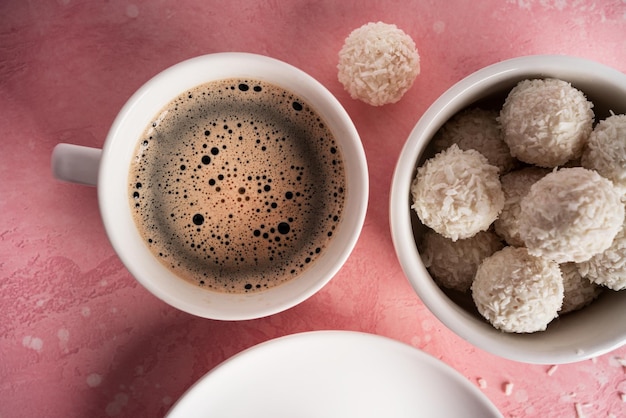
<point>79,337</point>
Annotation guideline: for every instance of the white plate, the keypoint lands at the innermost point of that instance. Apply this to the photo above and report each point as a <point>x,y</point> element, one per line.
<point>333,374</point>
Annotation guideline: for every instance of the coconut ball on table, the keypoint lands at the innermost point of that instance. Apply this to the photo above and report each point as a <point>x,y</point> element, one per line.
<point>546,122</point>
<point>478,129</point>
<point>578,291</point>
<point>378,63</point>
<point>570,215</point>
<point>518,292</point>
<point>515,186</point>
<point>609,267</point>
<point>453,264</point>
<point>457,193</point>
<point>606,151</point>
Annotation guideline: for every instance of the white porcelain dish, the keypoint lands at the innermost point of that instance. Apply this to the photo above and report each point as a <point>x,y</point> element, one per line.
<point>590,332</point>
<point>333,374</point>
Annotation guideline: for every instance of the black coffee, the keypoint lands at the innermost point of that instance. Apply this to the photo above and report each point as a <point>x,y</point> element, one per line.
<point>238,185</point>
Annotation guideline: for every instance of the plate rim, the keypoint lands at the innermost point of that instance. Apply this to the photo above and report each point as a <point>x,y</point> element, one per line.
<point>336,335</point>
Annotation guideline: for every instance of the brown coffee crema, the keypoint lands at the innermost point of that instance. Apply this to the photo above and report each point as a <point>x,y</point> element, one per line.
<point>237,185</point>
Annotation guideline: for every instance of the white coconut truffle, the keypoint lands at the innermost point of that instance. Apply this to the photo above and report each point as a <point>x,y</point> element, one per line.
<point>570,215</point>
<point>378,63</point>
<point>457,193</point>
<point>518,292</point>
<point>478,129</point>
<point>606,151</point>
<point>515,186</point>
<point>546,122</point>
<point>609,267</point>
<point>578,292</point>
<point>453,264</point>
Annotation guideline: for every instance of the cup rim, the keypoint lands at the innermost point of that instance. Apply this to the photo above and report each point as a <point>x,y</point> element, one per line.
<point>117,217</point>
<point>518,347</point>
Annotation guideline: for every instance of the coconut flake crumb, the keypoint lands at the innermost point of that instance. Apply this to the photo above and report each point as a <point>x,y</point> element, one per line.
<point>579,409</point>
<point>378,63</point>
<point>622,396</point>
<point>552,370</point>
<point>482,383</point>
<point>508,388</point>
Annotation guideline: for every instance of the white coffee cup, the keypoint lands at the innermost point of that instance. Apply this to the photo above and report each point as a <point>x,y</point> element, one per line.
<point>109,169</point>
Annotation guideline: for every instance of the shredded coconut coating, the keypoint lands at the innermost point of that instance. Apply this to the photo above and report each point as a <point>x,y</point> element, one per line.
<point>606,151</point>
<point>609,267</point>
<point>453,264</point>
<point>457,193</point>
<point>570,215</point>
<point>378,63</point>
<point>478,129</point>
<point>546,122</point>
<point>515,186</point>
<point>518,292</point>
<point>578,291</point>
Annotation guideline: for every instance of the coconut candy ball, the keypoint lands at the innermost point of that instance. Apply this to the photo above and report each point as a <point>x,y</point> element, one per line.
<point>457,193</point>
<point>546,122</point>
<point>518,292</point>
<point>515,186</point>
<point>478,129</point>
<point>570,215</point>
<point>378,63</point>
<point>606,151</point>
<point>578,292</point>
<point>453,264</point>
<point>609,267</point>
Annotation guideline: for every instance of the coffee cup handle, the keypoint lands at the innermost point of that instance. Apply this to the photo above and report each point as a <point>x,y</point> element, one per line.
<point>76,163</point>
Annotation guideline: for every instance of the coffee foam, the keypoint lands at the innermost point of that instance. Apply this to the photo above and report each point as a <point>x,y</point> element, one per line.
<point>238,185</point>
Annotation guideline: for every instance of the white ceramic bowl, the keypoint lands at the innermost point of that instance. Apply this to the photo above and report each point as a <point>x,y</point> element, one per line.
<point>590,332</point>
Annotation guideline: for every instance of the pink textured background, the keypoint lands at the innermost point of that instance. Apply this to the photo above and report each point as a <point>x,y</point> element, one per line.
<point>79,337</point>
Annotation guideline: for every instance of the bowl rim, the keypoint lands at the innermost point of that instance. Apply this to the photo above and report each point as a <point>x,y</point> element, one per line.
<point>457,319</point>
